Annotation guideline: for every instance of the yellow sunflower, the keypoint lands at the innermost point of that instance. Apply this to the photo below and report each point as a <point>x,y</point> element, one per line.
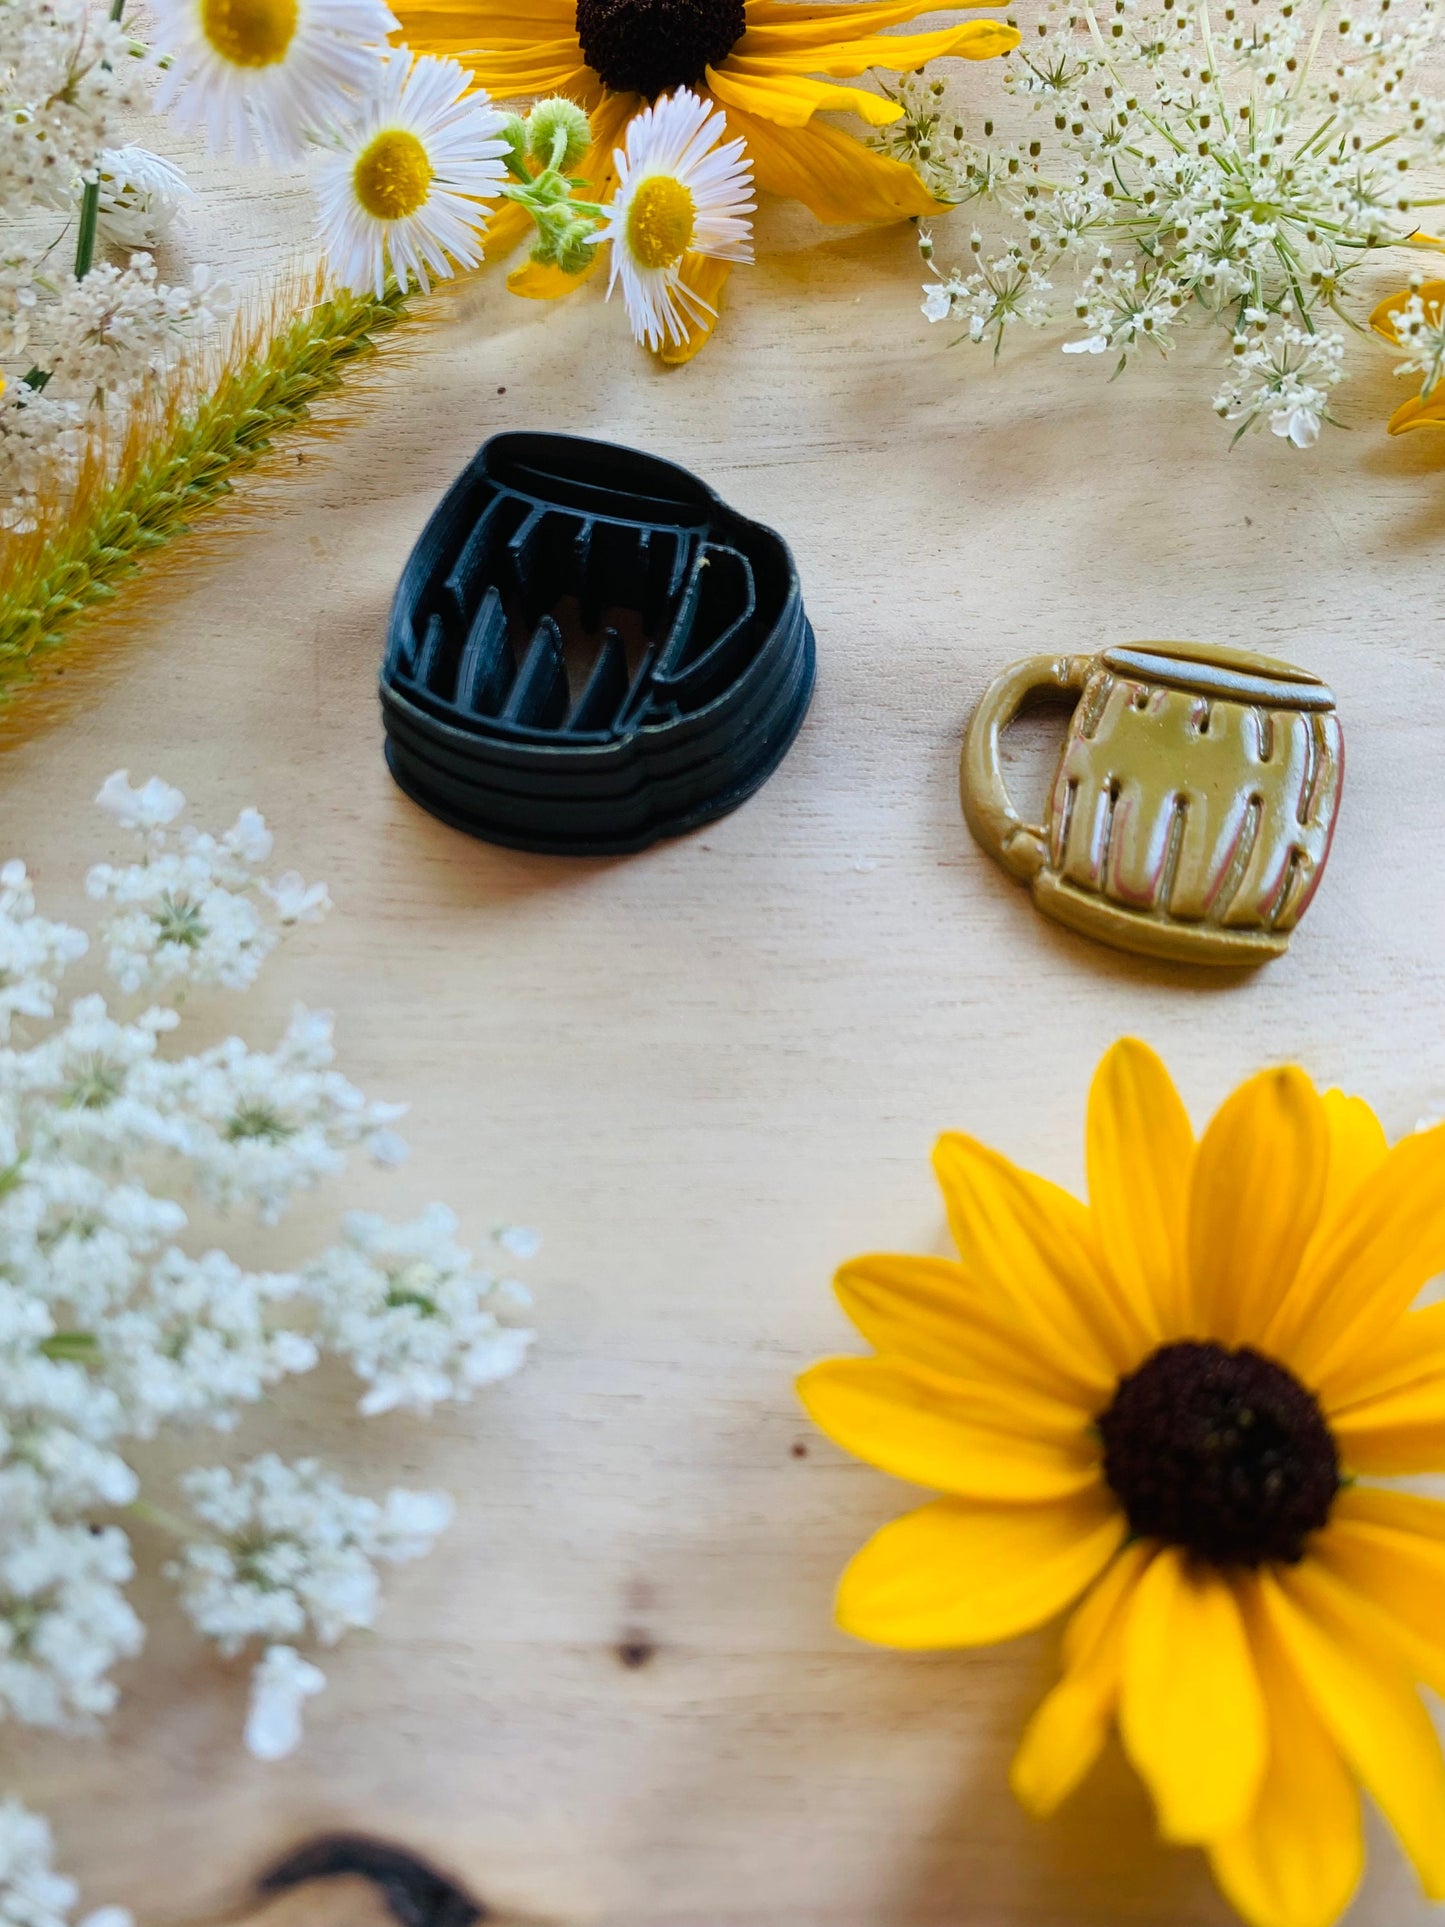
<point>1426,410</point>
<point>1164,1404</point>
<point>756,58</point>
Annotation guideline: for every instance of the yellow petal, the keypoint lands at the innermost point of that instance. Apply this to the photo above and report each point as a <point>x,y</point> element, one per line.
<point>1191,1712</point>
<point>534,67</point>
<point>707,277</point>
<point>1389,1549</point>
<point>1259,1180</point>
<point>971,1440</point>
<point>539,281</point>
<point>1399,1432</point>
<point>930,1310</point>
<point>1139,1149</point>
<point>830,172</point>
<point>776,24</point>
<point>1357,1149</point>
<point>1364,1696</point>
<point>1358,1282</point>
<point>766,51</point>
<point>1383,320</point>
<point>791,100</point>
<point>488,21</point>
<point>1298,1858</point>
<point>1420,411</point>
<point>1410,1357</point>
<point>956,1573</point>
<point>1067,1733</point>
<point>1031,1248</point>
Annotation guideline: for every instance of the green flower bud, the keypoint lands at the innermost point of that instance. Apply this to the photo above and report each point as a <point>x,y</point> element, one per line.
<point>576,248</point>
<point>560,133</point>
<point>513,131</point>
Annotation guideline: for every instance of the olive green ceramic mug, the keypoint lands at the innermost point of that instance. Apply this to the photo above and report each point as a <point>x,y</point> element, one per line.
<point>1193,806</point>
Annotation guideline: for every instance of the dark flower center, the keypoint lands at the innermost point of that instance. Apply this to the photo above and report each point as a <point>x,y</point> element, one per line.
<point>652,46</point>
<point>1223,1452</point>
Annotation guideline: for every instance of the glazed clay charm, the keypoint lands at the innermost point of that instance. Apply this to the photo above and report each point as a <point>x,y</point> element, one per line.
<point>1193,806</point>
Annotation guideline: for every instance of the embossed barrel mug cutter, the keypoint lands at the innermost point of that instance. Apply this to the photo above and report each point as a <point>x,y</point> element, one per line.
<point>589,650</point>
<point>1192,810</point>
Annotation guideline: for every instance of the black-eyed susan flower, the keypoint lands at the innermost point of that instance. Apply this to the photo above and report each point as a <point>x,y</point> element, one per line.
<point>407,185</point>
<point>1167,1409</point>
<point>759,60</point>
<point>681,190</point>
<point>266,75</point>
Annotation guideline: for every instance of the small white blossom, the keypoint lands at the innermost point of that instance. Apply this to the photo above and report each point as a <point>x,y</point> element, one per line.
<point>32,1894</point>
<point>64,1622</point>
<point>281,1684</point>
<point>34,953</point>
<point>293,1551</point>
<point>413,1312</point>
<point>148,806</point>
<point>297,901</point>
<point>937,301</point>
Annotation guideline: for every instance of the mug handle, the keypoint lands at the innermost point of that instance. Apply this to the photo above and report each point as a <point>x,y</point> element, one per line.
<point>1020,847</point>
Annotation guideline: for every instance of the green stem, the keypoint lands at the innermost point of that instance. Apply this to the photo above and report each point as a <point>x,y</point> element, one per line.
<point>79,1346</point>
<point>155,1515</point>
<point>90,199</point>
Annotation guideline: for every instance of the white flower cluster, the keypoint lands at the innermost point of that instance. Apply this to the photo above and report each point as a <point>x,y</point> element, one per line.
<point>1241,162</point>
<point>32,1894</point>
<point>77,347</point>
<point>1419,324</point>
<point>413,1312</point>
<point>65,71</point>
<point>114,1324</point>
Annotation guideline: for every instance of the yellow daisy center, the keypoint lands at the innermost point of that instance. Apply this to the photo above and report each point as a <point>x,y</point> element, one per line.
<point>250,33</point>
<point>393,175</point>
<point>661,222</point>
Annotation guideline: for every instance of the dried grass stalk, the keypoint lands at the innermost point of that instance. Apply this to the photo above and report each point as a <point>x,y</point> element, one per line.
<point>177,453</point>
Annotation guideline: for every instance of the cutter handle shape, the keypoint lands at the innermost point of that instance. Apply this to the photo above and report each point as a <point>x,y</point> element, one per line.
<point>1022,848</point>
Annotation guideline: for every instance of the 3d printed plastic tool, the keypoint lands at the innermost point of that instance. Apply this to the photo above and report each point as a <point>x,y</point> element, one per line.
<point>589,651</point>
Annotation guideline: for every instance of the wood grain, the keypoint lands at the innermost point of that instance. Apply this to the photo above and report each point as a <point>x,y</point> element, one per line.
<point>711,1072</point>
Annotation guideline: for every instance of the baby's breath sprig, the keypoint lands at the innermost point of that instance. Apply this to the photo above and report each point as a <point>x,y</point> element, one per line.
<point>1244,163</point>
<point>542,149</point>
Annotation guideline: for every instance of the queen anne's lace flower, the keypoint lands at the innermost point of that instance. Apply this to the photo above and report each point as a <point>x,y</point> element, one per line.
<point>413,1312</point>
<point>263,1125</point>
<point>116,1322</point>
<point>32,1894</point>
<point>1240,161</point>
<point>294,1551</point>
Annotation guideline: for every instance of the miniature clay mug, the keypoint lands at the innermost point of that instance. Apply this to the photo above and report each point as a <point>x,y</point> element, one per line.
<point>1194,802</point>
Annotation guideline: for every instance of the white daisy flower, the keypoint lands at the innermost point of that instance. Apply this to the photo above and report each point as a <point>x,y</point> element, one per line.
<point>678,193</point>
<point>263,76</point>
<point>410,180</point>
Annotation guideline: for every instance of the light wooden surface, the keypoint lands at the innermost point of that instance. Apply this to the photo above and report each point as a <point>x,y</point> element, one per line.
<point>711,1072</point>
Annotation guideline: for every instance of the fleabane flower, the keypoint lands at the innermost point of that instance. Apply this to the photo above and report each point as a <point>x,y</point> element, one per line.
<point>682,197</point>
<point>1166,1409</point>
<point>407,184</point>
<point>262,76</point>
